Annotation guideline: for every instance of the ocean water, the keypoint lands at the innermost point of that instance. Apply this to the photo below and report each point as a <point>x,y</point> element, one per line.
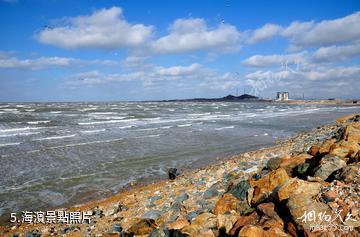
<point>56,154</point>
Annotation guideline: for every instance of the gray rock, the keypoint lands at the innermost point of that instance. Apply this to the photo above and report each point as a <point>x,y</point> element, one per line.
<point>159,233</point>
<point>117,228</point>
<point>182,197</point>
<point>34,233</point>
<point>212,191</point>
<point>152,214</point>
<point>192,215</point>
<point>274,163</point>
<point>240,190</point>
<point>328,165</point>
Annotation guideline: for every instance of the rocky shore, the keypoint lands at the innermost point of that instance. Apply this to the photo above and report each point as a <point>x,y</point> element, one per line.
<point>305,186</point>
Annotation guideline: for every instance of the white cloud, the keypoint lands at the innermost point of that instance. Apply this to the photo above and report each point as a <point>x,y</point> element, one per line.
<point>336,53</point>
<point>326,32</point>
<point>45,62</point>
<point>265,32</point>
<point>276,60</point>
<point>186,35</point>
<point>104,29</point>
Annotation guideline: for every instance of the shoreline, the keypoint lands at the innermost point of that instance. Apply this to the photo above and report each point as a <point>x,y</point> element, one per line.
<point>167,202</point>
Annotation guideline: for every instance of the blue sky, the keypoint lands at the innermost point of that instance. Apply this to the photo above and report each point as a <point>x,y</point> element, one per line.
<point>146,50</point>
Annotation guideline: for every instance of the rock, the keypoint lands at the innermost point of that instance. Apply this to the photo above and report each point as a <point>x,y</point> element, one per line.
<point>152,214</point>
<point>349,173</point>
<point>213,191</point>
<point>290,164</point>
<point>112,210</point>
<point>251,219</point>
<point>297,186</point>
<point>314,150</point>
<point>328,165</point>
<point>143,227</point>
<point>206,220</point>
<point>158,233</point>
<point>178,224</point>
<point>225,222</point>
<point>329,196</point>
<point>225,204</point>
<point>348,118</point>
<point>117,228</point>
<point>173,173</point>
<point>300,206</point>
<point>352,133</point>
<point>302,170</point>
<point>274,163</point>
<point>240,190</point>
<point>201,225</point>
<point>344,149</point>
<point>268,209</point>
<point>251,231</point>
<point>182,197</point>
<point>192,215</point>
<point>264,186</point>
<point>34,233</point>
<point>325,147</point>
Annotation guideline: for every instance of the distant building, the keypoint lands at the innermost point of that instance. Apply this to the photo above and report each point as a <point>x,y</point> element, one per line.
<point>282,96</point>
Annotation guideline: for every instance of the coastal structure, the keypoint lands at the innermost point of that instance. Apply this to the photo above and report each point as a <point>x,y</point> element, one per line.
<point>282,96</point>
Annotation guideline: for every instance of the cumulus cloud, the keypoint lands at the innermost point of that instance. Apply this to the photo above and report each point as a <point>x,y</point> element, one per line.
<point>276,60</point>
<point>104,29</point>
<point>45,62</point>
<point>265,32</point>
<point>193,34</point>
<point>336,53</point>
<point>326,32</point>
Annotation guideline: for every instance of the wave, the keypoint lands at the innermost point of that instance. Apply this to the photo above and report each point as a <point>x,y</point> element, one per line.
<point>19,129</point>
<point>55,137</point>
<point>124,127</point>
<point>154,135</point>
<point>184,125</point>
<point>93,131</point>
<point>222,128</point>
<point>105,122</point>
<point>10,144</point>
<point>19,134</point>
<point>37,122</point>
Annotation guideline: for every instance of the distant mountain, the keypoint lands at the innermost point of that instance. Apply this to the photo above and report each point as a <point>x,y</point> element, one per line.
<point>228,98</point>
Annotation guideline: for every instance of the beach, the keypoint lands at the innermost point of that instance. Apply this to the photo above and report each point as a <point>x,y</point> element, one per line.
<point>262,192</point>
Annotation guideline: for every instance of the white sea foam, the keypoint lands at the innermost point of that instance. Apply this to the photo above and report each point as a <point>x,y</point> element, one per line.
<point>124,127</point>
<point>19,129</point>
<point>56,112</point>
<point>37,122</point>
<point>10,144</point>
<point>222,128</point>
<point>108,121</point>
<point>184,125</point>
<point>19,134</point>
<point>55,137</point>
<point>93,131</point>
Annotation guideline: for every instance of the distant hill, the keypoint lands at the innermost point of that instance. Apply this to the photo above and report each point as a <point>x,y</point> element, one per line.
<point>228,98</point>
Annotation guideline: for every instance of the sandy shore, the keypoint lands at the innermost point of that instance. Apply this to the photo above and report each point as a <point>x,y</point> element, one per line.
<point>232,197</point>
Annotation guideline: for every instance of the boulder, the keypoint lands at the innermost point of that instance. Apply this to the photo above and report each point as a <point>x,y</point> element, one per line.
<point>349,174</point>
<point>290,164</point>
<point>240,190</point>
<point>344,149</point>
<point>264,186</point>
<point>226,221</point>
<point>173,173</point>
<point>178,224</point>
<point>314,150</point>
<point>305,211</point>
<point>274,163</point>
<point>297,186</point>
<point>143,227</point>
<point>251,219</point>
<point>225,204</point>
<point>251,231</point>
<point>201,225</point>
<point>325,146</point>
<point>352,133</point>
<point>328,165</point>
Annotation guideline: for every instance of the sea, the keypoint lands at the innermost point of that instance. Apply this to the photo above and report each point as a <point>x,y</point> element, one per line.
<point>58,154</point>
